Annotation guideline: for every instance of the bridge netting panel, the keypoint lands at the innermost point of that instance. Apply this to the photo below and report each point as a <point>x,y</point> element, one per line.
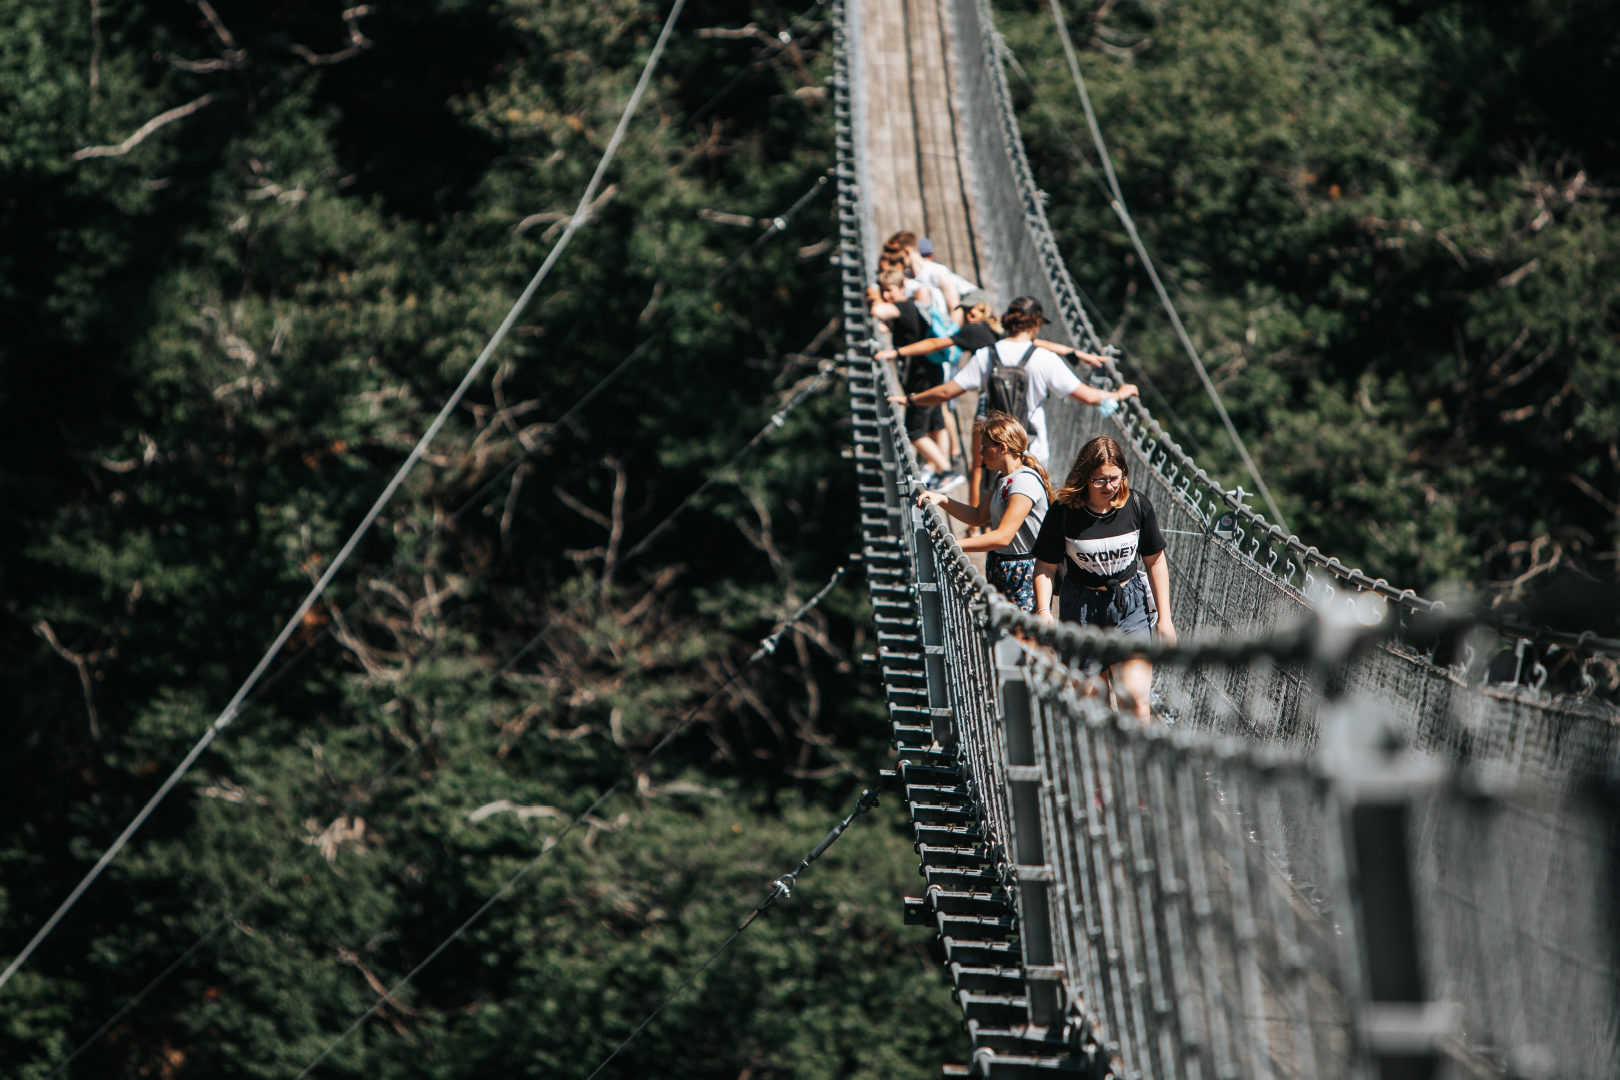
<point>1194,881</point>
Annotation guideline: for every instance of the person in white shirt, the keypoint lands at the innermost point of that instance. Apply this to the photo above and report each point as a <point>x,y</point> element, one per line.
<point>1046,374</point>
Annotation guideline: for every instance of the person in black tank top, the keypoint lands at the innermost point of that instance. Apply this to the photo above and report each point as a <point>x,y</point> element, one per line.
<point>907,325</point>
<point>1107,539</point>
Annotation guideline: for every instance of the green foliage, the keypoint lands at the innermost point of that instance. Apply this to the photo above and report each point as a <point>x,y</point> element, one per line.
<point>1393,256</point>
<point>223,344</point>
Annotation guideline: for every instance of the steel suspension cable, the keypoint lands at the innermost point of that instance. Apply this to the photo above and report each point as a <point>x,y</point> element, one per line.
<point>1139,372</point>
<point>767,647</point>
<point>575,223</point>
<point>778,225</point>
<point>1117,203</point>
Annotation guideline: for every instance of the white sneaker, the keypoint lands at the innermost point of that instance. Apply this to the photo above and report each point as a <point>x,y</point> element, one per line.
<point>949,480</point>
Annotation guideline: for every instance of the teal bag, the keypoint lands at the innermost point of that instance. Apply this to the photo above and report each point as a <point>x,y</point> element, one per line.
<point>942,326</point>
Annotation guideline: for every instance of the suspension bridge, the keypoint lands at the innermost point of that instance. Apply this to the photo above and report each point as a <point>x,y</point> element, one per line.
<point>1352,852</point>
<point>1354,848</point>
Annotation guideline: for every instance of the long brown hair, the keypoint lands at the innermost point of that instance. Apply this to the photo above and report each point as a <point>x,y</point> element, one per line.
<point>1006,431</point>
<point>1100,451</point>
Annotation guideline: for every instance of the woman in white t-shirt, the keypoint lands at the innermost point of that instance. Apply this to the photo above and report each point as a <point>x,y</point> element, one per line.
<point>1012,508</point>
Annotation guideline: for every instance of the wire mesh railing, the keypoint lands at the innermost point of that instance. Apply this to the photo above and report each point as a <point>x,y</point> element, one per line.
<point>1335,857</point>
<point>1231,569</point>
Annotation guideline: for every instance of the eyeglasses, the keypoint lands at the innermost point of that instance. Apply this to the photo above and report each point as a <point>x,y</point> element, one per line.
<point>1106,481</point>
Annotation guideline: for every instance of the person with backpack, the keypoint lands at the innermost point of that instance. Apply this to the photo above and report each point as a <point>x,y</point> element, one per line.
<point>1011,511</point>
<point>980,330</point>
<point>1107,540</point>
<point>1017,376</point>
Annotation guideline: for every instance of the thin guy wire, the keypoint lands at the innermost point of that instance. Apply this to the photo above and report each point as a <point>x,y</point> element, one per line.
<point>581,214</point>
<point>766,648</point>
<point>782,886</point>
<point>778,224</point>
<point>776,47</point>
<point>776,421</point>
<point>1117,202</point>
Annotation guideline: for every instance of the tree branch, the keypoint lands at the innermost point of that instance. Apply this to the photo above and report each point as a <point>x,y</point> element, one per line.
<point>81,662</point>
<point>226,41</point>
<point>179,112</point>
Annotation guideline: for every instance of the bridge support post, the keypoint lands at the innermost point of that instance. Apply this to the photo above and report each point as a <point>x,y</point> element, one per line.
<point>1399,1031</point>
<point>1034,881</point>
<point>931,608</point>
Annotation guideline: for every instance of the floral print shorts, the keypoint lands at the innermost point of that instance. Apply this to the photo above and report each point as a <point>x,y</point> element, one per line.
<point>1014,575</point>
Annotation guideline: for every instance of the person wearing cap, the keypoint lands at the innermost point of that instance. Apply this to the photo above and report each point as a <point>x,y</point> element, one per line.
<point>980,328</point>
<point>1048,375</point>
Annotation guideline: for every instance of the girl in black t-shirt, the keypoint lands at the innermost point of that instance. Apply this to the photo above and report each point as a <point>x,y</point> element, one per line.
<point>1103,533</point>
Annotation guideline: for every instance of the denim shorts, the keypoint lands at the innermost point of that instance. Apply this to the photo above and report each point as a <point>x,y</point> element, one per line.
<point>1124,607</point>
<point>1014,575</point>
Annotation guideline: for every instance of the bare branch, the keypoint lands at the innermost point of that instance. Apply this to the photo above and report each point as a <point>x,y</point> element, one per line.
<point>352,958</point>
<point>315,59</point>
<point>616,532</point>
<point>721,217</point>
<point>179,112</point>
<point>510,508</point>
<point>81,662</point>
<point>752,30</point>
<point>593,516</point>
<point>763,538</point>
<point>1593,493</point>
<point>507,806</point>
<point>557,219</point>
<point>231,61</point>
<point>1512,279</point>
<point>226,41</point>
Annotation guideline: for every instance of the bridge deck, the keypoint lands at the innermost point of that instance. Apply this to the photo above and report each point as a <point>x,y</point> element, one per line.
<point>919,179</point>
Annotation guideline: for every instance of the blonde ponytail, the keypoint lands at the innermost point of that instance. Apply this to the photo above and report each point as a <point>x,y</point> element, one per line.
<point>1034,462</point>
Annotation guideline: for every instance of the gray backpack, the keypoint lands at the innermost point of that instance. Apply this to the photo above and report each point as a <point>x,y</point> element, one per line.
<point>1006,388</point>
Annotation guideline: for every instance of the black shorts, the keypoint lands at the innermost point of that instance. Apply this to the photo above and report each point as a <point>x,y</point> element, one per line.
<point>923,419</point>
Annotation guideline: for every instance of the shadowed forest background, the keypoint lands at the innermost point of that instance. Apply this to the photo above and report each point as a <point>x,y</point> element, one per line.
<point>1391,231</point>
